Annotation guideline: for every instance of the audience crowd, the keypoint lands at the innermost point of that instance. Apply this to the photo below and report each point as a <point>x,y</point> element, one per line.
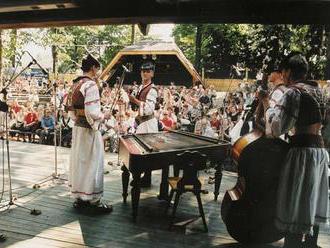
<point>200,110</point>
<point>197,109</point>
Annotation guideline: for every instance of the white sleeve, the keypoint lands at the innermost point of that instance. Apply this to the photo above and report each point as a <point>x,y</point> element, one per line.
<point>71,123</point>
<point>93,112</point>
<point>283,116</point>
<point>149,104</point>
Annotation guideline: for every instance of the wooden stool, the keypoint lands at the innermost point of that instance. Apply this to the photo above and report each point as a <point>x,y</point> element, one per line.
<point>190,163</point>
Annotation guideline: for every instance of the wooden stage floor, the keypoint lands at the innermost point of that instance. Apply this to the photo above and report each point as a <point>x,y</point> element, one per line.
<point>60,226</point>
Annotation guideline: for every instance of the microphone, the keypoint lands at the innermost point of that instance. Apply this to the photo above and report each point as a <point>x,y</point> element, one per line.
<point>34,61</point>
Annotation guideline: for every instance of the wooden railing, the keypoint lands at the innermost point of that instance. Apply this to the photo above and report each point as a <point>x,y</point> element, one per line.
<point>233,84</point>
<point>225,84</point>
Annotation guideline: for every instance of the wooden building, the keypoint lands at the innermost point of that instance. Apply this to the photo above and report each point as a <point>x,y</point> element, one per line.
<point>171,65</point>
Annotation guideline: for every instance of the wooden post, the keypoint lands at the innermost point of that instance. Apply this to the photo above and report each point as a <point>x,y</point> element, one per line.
<point>133,34</point>
<point>54,53</point>
<point>13,44</point>
<point>246,73</point>
<point>198,47</point>
<point>203,74</point>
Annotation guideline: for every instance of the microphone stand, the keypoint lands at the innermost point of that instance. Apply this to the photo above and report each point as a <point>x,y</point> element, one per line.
<point>34,61</point>
<point>55,175</point>
<point>117,99</point>
<point>5,109</point>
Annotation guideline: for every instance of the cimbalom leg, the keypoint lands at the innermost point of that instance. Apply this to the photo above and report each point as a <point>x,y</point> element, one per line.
<point>125,181</point>
<point>218,179</point>
<point>135,194</point>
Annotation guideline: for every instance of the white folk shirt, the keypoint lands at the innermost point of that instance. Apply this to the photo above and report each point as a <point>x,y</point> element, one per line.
<point>274,101</point>
<point>148,108</point>
<point>87,152</point>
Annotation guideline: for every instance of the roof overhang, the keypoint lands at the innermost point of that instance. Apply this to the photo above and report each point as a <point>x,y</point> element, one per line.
<point>146,48</point>
<point>45,13</point>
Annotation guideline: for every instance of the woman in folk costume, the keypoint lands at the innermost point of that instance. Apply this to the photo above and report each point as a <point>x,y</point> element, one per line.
<point>146,101</point>
<point>302,200</point>
<point>86,161</point>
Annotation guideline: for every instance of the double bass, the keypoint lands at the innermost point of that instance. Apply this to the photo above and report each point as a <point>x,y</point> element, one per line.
<point>248,209</point>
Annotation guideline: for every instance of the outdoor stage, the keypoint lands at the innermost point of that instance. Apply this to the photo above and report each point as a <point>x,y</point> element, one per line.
<point>60,226</point>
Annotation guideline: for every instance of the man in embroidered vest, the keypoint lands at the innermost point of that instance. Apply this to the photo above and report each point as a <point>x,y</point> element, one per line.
<point>302,200</point>
<point>86,161</point>
<point>146,100</point>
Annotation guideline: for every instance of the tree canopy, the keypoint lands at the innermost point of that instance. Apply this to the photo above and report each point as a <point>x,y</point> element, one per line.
<point>70,44</point>
<point>215,47</point>
<point>254,46</point>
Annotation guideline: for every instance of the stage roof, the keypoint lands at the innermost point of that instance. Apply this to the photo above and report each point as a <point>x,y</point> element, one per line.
<point>168,58</point>
<point>45,13</point>
<point>170,63</point>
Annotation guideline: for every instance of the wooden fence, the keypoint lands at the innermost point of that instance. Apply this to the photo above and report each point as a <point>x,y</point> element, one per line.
<point>233,84</point>
<point>225,84</point>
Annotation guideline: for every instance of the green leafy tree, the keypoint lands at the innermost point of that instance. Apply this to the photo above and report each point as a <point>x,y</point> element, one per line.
<point>254,46</point>
<point>222,47</point>
<point>184,36</point>
<point>316,50</point>
<point>72,43</point>
<point>12,43</point>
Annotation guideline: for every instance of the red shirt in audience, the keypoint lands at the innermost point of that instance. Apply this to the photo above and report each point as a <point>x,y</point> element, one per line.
<point>16,108</point>
<point>167,122</point>
<point>215,123</point>
<point>30,118</point>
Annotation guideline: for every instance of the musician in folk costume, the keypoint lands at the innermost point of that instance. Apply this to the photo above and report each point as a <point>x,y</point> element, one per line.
<point>86,161</point>
<point>302,200</point>
<point>277,89</point>
<point>146,101</point>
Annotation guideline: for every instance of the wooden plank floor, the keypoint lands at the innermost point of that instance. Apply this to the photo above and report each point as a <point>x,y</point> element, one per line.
<point>60,226</point>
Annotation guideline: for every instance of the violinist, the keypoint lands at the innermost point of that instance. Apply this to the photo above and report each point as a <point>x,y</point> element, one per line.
<point>146,100</point>
<point>277,88</point>
<point>302,200</point>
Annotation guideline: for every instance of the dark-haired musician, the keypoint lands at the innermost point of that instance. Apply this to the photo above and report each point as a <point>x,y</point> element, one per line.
<point>277,88</point>
<point>302,201</point>
<point>86,161</point>
<point>146,100</point>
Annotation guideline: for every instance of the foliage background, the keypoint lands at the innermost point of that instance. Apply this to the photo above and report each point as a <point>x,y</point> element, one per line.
<point>214,48</point>
<point>254,46</point>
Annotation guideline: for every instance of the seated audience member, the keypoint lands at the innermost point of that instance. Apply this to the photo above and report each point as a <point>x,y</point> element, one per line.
<point>33,96</point>
<point>30,122</point>
<point>172,115</point>
<point>66,124</point>
<point>214,121</point>
<point>15,107</point>
<point>46,132</point>
<point>203,127</point>
<point>17,121</point>
<point>204,99</point>
<point>167,121</point>
<point>233,113</point>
